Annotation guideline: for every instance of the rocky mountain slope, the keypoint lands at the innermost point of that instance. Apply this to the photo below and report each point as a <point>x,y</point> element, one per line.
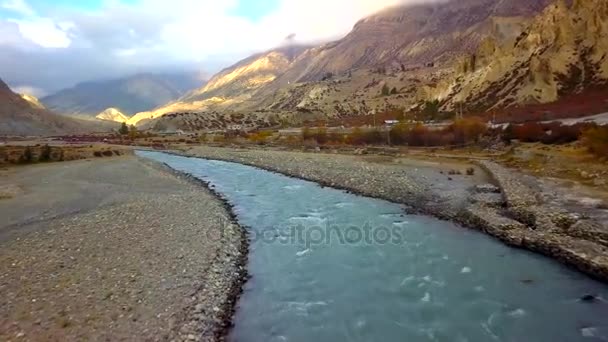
<point>132,94</point>
<point>563,51</point>
<point>112,114</point>
<point>19,117</point>
<point>469,55</point>
<point>235,84</point>
<point>402,38</point>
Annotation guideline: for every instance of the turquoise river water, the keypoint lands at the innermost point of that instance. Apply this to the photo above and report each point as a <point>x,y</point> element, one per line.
<point>327,265</point>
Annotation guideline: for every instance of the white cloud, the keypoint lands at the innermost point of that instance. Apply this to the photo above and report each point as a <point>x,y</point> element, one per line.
<point>44,32</point>
<point>158,35</point>
<point>18,6</point>
<point>203,28</point>
<point>125,52</point>
<point>29,90</point>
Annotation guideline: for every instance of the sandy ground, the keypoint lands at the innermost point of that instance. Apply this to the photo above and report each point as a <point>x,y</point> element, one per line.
<point>109,249</point>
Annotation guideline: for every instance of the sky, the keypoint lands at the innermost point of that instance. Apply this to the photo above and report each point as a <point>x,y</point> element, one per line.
<point>48,45</point>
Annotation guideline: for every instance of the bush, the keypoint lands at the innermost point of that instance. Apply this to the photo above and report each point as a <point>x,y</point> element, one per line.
<point>361,137</point>
<point>431,109</point>
<point>259,137</point>
<point>45,153</point>
<point>467,130</point>
<point>596,140</point>
<point>124,129</point>
<point>27,156</point>
<point>561,134</point>
<point>529,132</point>
<point>399,133</point>
<point>385,90</point>
<point>356,137</point>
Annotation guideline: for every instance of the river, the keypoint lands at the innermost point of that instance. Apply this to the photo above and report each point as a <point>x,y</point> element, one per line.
<point>327,265</point>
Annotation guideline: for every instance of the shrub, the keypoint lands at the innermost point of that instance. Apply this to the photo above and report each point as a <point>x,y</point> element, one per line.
<point>306,134</point>
<point>45,153</point>
<point>596,140</point>
<point>529,132</point>
<point>431,109</point>
<point>259,137</point>
<point>561,134</point>
<point>124,129</point>
<point>356,137</point>
<point>385,90</point>
<point>107,153</point>
<point>27,155</point>
<point>373,137</point>
<point>399,133</point>
<point>467,130</point>
<point>97,154</point>
<point>321,136</point>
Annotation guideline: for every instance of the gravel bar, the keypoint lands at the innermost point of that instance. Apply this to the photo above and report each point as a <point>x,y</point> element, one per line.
<point>132,252</point>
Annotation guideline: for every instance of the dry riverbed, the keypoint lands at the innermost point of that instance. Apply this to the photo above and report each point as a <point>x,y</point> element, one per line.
<point>114,249</point>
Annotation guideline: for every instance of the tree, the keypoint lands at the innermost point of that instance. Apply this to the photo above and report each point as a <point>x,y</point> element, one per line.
<point>45,153</point>
<point>385,90</point>
<point>27,155</point>
<point>124,129</point>
<point>431,109</point>
<point>133,133</point>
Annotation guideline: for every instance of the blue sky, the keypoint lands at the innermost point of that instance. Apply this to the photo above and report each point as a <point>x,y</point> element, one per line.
<point>47,45</point>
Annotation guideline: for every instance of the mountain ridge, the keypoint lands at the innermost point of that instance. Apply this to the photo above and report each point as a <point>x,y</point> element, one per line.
<point>19,116</point>
<point>467,55</point>
<point>131,94</point>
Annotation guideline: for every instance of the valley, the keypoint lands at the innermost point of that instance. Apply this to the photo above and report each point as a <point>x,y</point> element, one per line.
<point>293,171</point>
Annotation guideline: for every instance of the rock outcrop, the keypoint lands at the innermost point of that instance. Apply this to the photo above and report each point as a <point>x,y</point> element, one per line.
<point>562,51</point>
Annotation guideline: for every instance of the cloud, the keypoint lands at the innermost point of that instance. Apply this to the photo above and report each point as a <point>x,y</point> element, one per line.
<point>29,90</point>
<point>18,6</point>
<point>45,32</point>
<point>55,47</point>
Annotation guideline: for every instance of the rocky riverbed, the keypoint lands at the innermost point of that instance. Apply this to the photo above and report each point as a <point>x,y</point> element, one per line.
<point>115,249</point>
<point>496,200</point>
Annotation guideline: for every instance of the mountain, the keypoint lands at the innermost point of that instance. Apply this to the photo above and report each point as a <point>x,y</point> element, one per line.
<point>470,55</point>
<point>132,94</point>
<point>562,52</point>
<point>20,117</point>
<point>33,101</point>
<point>237,82</point>
<point>112,114</point>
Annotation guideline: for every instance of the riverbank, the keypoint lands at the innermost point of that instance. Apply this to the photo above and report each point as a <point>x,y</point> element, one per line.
<point>513,209</point>
<point>115,249</point>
